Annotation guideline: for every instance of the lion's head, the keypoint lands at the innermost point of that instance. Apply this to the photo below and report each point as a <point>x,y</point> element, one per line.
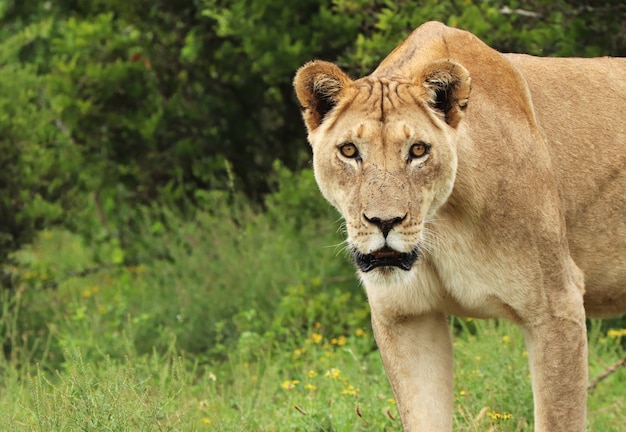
<point>384,154</point>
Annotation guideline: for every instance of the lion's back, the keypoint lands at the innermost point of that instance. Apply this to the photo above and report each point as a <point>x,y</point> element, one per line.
<point>580,105</point>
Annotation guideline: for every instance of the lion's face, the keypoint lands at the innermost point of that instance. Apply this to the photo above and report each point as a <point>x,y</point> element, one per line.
<point>384,155</point>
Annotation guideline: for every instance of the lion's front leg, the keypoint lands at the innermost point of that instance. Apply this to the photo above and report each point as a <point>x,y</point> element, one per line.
<point>557,350</point>
<point>417,354</point>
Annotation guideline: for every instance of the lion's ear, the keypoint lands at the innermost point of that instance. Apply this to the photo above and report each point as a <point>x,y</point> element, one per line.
<point>319,85</point>
<point>447,87</point>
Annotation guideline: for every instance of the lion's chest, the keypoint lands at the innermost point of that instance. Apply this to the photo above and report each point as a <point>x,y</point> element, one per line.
<point>457,278</point>
<point>480,281</point>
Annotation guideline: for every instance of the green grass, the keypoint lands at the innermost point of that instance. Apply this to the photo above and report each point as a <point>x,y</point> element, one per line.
<point>212,338</point>
<point>322,382</point>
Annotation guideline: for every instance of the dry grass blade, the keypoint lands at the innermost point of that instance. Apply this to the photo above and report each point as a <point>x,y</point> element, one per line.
<point>607,372</point>
<point>300,410</point>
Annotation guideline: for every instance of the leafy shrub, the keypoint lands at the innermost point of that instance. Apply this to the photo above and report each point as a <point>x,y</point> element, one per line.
<point>201,280</point>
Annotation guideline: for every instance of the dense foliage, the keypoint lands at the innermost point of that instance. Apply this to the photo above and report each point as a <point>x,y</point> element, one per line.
<point>109,106</point>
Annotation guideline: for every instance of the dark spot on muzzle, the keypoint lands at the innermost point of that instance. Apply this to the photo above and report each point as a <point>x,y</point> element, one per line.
<point>385,257</point>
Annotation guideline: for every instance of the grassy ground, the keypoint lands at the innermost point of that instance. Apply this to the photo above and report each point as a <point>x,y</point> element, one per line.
<point>325,382</point>
<point>212,339</point>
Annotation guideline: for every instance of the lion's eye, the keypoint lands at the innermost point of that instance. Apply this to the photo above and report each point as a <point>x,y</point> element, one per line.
<point>349,150</point>
<point>418,150</point>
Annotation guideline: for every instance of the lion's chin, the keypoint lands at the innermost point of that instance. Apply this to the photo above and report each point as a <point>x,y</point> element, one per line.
<point>385,258</point>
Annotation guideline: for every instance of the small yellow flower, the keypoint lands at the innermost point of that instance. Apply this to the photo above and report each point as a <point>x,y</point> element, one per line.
<point>499,416</point>
<point>333,373</point>
<point>312,373</point>
<point>613,333</point>
<point>290,384</point>
<point>360,333</point>
<point>318,325</point>
<point>298,353</point>
<point>391,401</point>
<point>310,387</point>
<point>206,420</point>
<point>316,338</point>
<point>340,341</point>
<point>506,339</point>
<point>350,390</point>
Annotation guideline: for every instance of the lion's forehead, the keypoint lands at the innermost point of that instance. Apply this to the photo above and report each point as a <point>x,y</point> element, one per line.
<point>363,125</point>
<point>383,117</point>
<point>381,107</point>
<point>384,97</point>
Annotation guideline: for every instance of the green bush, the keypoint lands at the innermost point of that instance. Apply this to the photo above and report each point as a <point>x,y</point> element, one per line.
<point>201,281</point>
<point>115,105</point>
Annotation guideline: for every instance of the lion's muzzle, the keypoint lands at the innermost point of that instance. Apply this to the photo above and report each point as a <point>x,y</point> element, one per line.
<point>385,257</point>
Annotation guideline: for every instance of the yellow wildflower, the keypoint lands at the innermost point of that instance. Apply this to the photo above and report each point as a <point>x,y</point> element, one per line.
<point>312,374</point>
<point>333,373</point>
<point>360,332</point>
<point>506,339</point>
<point>340,341</point>
<point>310,387</point>
<point>206,420</point>
<point>298,353</point>
<point>316,338</point>
<point>350,390</point>
<point>499,416</point>
<point>290,384</point>
<point>613,333</point>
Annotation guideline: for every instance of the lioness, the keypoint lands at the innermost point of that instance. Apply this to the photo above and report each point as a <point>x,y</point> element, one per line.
<point>477,184</point>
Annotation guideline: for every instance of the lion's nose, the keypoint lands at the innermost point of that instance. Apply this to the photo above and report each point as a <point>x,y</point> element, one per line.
<point>384,225</point>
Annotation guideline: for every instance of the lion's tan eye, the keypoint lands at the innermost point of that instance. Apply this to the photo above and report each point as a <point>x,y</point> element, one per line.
<point>418,150</point>
<point>349,150</point>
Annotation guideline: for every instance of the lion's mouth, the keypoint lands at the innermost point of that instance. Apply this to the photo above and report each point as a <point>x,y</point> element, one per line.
<point>385,257</point>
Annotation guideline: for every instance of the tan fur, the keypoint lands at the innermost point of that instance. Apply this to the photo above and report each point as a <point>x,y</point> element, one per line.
<point>518,210</point>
